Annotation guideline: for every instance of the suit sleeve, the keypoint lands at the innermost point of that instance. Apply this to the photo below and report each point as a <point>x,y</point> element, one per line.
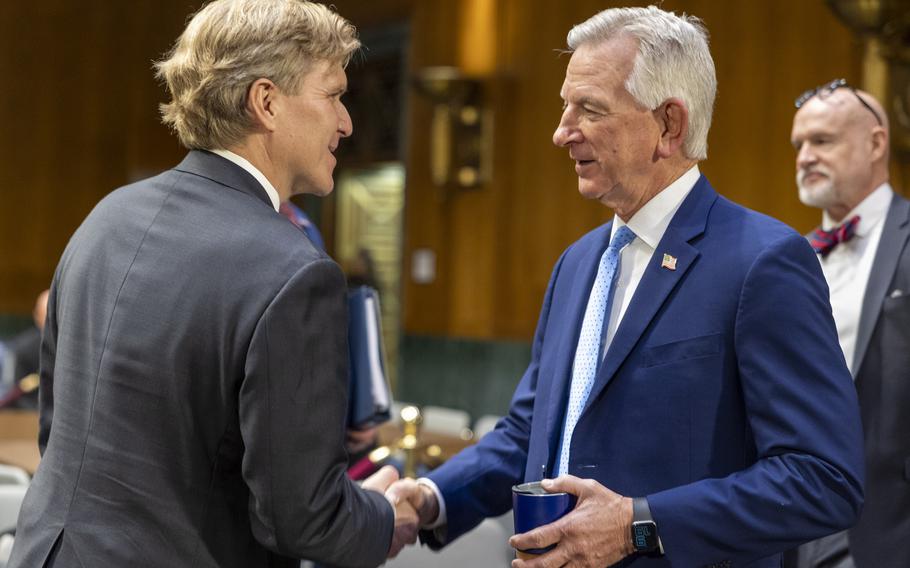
<point>293,403</point>
<point>802,409</point>
<point>477,482</point>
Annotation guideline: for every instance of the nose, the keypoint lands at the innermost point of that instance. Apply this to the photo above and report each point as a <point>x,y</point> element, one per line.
<point>805,156</point>
<point>567,131</point>
<point>345,125</point>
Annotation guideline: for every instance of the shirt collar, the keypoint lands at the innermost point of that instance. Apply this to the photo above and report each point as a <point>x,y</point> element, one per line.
<point>651,221</point>
<point>253,171</point>
<point>871,211</point>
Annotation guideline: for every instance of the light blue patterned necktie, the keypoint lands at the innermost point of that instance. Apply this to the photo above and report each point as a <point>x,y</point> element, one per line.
<point>587,353</point>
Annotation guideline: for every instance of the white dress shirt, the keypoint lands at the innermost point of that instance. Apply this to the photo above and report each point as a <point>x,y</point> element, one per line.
<point>649,225</point>
<point>848,266</point>
<point>253,171</point>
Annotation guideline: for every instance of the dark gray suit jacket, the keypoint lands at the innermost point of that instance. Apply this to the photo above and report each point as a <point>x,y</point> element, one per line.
<point>194,388</point>
<point>881,367</point>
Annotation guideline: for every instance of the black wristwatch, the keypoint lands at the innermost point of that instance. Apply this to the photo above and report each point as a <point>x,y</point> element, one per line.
<point>644,530</point>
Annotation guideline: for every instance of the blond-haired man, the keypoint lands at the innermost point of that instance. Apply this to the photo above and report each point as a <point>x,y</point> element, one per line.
<point>194,367</point>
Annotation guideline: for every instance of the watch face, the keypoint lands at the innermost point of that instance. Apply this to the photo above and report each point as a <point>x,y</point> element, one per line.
<point>644,536</point>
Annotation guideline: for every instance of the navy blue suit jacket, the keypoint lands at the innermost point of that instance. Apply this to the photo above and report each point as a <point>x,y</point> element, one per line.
<point>724,396</point>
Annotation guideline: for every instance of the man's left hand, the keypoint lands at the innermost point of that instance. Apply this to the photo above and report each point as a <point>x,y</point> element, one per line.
<point>593,535</point>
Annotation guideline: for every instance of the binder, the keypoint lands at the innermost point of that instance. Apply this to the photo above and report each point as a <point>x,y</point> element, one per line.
<point>370,400</point>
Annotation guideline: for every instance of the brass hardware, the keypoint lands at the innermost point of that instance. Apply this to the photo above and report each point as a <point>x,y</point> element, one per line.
<point>460,130</point>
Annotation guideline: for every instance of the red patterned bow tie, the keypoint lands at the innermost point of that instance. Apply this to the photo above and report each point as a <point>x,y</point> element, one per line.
<point>824,241</point>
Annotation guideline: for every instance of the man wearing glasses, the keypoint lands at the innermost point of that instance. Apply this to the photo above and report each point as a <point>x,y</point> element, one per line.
<point>841,141</point>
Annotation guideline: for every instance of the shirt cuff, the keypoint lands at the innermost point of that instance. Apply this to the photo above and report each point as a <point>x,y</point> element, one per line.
<point>441,518</point>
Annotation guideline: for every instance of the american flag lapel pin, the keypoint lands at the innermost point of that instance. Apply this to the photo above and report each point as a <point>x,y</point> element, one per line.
<point>669,262</point>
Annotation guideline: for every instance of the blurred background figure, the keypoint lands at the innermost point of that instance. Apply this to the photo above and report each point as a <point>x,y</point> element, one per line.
<point>19,359</point>
<point>842,142</point>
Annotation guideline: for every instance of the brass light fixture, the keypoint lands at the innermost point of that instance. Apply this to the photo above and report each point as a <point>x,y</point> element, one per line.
<point>460,132</point>
<point>885,24</point>
<point>867,17</point>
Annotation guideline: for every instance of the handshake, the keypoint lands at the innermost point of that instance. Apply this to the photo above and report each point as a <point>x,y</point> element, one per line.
<point>595,533</point>
<point>415,505</point>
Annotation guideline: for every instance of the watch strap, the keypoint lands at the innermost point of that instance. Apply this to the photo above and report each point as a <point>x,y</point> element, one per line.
<point>641,513</point>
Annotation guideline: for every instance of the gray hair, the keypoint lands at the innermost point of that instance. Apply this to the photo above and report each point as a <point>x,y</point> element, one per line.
<point>227,46</point>
<point>673,60</point>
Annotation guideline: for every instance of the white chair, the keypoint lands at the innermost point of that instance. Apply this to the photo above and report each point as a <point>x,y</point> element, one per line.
<point>10,502</point>
<point>485,424</point>
<point>486,546</point>
<point>441,420</point>
<point>13,475</point>
<point>6,548</point>
<point>7,368</point>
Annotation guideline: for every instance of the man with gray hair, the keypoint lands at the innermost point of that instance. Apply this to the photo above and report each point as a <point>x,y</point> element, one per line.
<point>685,383</point>
<point>841,140</point>
<point>194,364</point>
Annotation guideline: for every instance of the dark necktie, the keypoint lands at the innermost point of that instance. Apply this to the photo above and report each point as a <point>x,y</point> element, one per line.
<point>824,241</point>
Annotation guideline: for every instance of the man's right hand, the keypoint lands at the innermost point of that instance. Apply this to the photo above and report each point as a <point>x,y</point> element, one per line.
<point>406,526</point>
<point>421,498</point>
<point>406,519</point>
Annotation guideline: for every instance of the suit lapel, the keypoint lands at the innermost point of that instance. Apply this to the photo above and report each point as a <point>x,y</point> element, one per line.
<point>585,273</point>
<point>658,282</point>
<point>894,237</point>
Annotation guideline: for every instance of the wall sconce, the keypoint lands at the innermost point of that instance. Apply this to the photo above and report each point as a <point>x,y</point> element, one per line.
<point>869,17</point>
<point>461,130</point>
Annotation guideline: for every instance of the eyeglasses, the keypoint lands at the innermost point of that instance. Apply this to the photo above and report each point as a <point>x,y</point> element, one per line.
<point>825,91</point>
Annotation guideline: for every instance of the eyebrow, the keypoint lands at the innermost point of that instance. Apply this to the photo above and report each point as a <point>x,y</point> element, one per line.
<point>820,134</point>
<point>812,135</point>
<point>585,101</point>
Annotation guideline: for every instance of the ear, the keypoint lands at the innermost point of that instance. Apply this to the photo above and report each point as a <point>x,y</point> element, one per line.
<point>673,119</point>
<point>262,103</point>
<point>879,143</point>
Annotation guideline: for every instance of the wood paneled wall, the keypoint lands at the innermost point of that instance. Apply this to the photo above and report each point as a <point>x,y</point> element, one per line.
<point>80,118</point>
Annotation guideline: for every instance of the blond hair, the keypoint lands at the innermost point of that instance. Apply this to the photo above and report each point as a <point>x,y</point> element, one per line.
<point>228,45</point>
